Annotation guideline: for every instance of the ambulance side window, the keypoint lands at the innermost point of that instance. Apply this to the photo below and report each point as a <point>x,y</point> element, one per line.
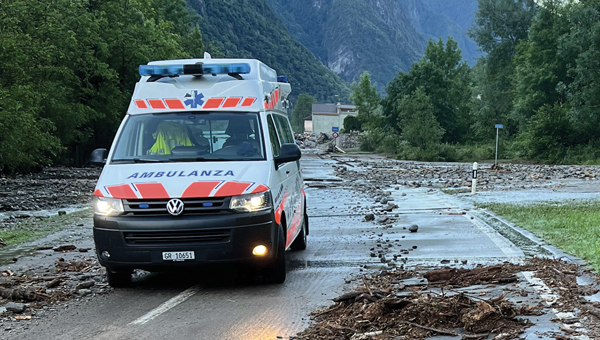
<point>284,130</point>
<point>273,136</point>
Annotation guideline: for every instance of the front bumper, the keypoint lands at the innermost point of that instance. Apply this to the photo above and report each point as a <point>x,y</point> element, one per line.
<point>138,242</point>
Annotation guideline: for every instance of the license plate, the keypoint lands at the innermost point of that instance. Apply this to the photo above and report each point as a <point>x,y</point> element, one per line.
<point>178,255</point>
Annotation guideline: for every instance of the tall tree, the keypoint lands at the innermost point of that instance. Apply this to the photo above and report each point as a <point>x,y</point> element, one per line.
<point>584,91</point>
<point>302,110</point>
<point>444,77</point>
<point>499,27</point>
<point>539,68</point>
<point>419,126</point>
<point>365,97</point>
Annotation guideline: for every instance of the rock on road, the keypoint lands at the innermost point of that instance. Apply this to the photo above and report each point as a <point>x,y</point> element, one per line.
<point>214,303</point>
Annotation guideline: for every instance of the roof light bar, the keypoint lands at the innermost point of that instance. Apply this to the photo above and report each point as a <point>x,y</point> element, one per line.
<point>194,69</point>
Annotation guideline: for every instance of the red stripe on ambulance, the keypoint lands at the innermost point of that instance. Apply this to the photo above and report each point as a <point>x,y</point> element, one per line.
<point>98,193</point>
<point>260,188</point>
<point>232,189</point>
<point>199,189</point>
<point>157,103</point>
<point>232,102</point>
<point>213,103</point>
<point>175,104</point>
<point>248,102</point>
<point>152,190</point>
<point>141,104</point>
<point>122,191</point>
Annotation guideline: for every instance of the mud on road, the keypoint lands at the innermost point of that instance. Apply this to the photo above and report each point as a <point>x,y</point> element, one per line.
<point>396,300</point>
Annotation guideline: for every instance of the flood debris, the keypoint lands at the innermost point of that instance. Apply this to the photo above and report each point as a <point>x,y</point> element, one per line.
<point>383,307</point>
<point>22,293</point>
<point>64,247</point>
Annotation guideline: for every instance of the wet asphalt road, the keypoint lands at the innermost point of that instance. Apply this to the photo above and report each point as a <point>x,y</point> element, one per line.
<point>220,303</point>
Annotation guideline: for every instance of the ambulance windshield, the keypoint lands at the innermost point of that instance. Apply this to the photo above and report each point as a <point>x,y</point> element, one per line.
<point>190,137</point>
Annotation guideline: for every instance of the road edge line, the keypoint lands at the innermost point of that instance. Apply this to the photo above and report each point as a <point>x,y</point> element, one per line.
<point>165,306</point>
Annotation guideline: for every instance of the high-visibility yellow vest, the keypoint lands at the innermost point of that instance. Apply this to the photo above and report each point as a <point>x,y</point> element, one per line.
<point>169,135</point>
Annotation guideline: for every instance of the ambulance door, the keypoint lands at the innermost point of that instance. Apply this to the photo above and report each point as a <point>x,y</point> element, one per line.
<point>292,183</point>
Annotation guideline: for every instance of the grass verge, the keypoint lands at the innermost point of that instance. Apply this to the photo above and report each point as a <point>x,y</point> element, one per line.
<point>573,227</point>
<point>31,228</point>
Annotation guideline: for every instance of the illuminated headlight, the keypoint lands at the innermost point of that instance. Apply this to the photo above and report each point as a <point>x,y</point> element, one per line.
<point>107,206</point>
<point>251,202</point>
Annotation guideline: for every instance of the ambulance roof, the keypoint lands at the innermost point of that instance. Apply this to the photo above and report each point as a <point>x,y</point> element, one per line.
<point>208,84</point>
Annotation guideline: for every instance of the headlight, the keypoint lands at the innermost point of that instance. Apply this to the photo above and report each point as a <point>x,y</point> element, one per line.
<point>107,206</point>
<point>251,202</point>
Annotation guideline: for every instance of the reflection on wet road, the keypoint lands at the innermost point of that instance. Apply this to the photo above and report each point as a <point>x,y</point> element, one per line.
<point>225,303</point>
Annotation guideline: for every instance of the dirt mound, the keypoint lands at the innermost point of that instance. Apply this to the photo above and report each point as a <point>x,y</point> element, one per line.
<point>385,308</point>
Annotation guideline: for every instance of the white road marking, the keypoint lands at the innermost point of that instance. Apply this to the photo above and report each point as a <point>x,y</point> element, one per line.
<point>514,253</point>
<point>174,301</point>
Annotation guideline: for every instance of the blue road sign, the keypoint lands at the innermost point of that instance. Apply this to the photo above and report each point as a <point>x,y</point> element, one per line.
<point>499,126</point>
<point>335,129</point>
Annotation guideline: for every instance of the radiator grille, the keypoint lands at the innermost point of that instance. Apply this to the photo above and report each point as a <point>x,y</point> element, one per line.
<point>192,206</point>
<point>177,237</point>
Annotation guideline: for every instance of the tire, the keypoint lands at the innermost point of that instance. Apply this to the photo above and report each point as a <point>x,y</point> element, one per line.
<point>300,241</point>
<point>276,271</point>
<point>118,279</point>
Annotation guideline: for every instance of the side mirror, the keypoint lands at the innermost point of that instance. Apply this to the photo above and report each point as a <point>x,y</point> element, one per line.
<point>289,152</point>
<point>99,157</point>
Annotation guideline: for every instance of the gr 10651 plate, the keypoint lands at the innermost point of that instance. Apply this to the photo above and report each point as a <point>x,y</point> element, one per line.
<point>178,255</point>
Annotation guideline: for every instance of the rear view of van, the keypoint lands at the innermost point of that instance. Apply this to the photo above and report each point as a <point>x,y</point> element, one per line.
<point>203,169</point>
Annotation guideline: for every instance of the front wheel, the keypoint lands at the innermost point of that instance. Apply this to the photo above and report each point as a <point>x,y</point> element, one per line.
<point>276,271</point>
<point>118,279</point>
<point>300,241</point>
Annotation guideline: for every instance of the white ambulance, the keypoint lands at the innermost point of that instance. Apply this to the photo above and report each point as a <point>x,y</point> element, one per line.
<point>203,169</point>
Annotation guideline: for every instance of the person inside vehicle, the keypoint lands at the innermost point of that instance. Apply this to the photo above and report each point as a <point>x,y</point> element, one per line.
<point>239,131</point>
<point>168,135</point>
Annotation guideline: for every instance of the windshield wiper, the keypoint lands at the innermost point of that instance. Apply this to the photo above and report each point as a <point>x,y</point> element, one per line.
<point>148,160</point>
<point>198,159</point>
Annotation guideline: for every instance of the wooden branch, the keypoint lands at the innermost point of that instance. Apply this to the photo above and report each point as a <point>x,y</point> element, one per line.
<point>366,285</point>
<point>440,331</point>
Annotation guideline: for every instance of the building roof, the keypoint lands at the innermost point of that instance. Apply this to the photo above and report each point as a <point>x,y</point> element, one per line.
<point>324,108</point>
<point>308,117</point>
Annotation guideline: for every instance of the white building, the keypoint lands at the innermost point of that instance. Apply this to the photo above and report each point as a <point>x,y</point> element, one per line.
<point>327,116</point>
<point>308,128</point>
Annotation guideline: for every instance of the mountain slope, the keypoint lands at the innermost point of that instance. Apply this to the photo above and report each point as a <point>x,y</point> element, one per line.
<point>250,29</point>
<point>379,36</point>
<point>351,36</point>
<point>443,18</point>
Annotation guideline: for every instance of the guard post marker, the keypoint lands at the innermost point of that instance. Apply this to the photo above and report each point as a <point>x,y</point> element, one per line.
<point>474,180</point>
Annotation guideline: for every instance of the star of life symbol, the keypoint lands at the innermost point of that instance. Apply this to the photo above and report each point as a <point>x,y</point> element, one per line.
<point>175,207</point>
<point>195,101</point>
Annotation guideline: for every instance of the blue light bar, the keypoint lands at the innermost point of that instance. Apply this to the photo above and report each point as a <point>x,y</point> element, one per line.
<point>160,70</point>
<point>194,69</point>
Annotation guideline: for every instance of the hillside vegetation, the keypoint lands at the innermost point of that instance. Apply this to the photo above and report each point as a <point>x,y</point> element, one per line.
<point>378,36</point>
<point>250,29</point>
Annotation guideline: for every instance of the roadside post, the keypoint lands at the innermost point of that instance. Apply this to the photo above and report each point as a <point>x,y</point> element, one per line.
<point>335,133</point>
<point>498,127</point>
<point>474,180</point>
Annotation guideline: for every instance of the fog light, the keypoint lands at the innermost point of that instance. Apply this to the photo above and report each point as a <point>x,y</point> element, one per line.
<point>105,255</point>
<point>259,250</point>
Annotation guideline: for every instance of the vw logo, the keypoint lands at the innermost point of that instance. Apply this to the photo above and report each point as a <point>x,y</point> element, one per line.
<point>175,207</point>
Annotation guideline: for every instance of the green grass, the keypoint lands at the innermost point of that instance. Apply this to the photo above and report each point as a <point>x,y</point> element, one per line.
<point>573,227</point>
<point>33,229</point>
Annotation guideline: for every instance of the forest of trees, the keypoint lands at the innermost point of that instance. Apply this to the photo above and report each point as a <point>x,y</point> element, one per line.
<point>69,67</point>
<point>539,77</point>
